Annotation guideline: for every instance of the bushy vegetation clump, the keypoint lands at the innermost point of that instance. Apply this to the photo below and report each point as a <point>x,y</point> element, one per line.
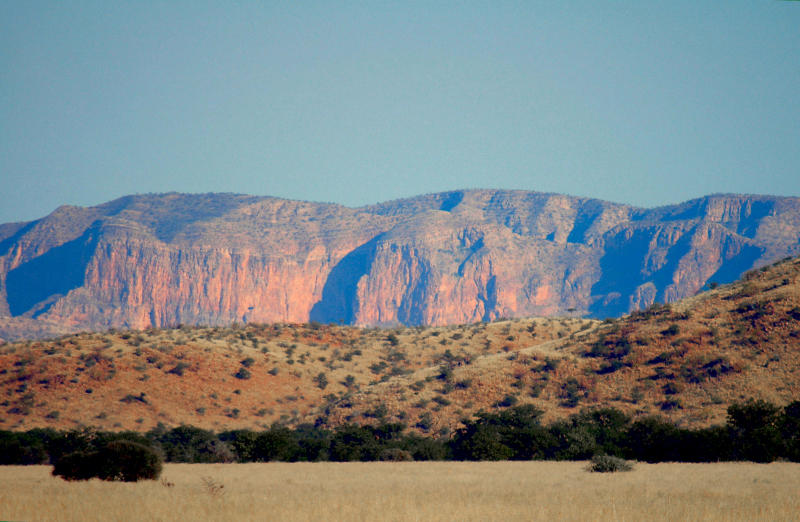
<point>122,460</point>
<point>608,464</point>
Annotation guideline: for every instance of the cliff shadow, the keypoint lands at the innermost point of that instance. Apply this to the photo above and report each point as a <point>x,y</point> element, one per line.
<point>6,243</point>
<point>338,301</point>
<point>52,274</point>
<point>451,201</point>
<point>622,272</point>
<point>748,225</point>
<point>732,269</point>
<point>583,222</point>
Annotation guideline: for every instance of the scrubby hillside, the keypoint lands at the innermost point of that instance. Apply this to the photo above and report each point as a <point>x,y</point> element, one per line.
<point>250,375</point>
<point>688,360</point>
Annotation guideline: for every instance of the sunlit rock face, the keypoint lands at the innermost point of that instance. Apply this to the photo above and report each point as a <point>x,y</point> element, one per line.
<point>455,257</point>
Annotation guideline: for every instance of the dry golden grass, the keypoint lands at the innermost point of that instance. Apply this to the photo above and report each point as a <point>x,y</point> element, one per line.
<point>413,491</point>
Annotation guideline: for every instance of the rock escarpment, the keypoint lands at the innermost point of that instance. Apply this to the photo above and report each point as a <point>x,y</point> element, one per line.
<point>456,257</point>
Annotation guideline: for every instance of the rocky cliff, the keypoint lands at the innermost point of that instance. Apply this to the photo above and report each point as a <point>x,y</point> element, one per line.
<point>455,257</point>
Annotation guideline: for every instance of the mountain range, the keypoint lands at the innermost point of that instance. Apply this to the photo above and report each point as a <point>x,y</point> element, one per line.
<point>449,258</point>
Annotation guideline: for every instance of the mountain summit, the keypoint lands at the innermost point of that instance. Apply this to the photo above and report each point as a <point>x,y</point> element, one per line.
<point>453,257</point>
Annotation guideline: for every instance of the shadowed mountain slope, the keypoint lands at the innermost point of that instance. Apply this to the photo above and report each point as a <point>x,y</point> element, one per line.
<point>449,258</point>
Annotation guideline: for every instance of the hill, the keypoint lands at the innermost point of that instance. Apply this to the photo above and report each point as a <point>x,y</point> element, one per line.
<point>451,258</point>
<point>687,360</point>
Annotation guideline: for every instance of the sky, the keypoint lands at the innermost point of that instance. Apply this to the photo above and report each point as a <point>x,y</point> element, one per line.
<point>646,103</point>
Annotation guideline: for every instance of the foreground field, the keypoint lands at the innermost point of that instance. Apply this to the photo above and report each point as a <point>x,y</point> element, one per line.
<point>413,491</point>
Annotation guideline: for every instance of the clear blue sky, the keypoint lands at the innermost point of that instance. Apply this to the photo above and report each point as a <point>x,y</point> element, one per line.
<point>359,102</point>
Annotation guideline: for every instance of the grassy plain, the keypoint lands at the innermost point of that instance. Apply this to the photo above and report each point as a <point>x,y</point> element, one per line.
<point>413,491</point>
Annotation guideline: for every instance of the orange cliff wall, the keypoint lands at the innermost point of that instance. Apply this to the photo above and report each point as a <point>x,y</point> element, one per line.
<point>459,257</point>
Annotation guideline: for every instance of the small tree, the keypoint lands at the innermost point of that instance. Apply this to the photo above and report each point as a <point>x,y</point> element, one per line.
<point>755,431</point>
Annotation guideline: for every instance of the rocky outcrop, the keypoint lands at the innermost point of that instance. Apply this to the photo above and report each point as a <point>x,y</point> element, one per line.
<point>456,257</point>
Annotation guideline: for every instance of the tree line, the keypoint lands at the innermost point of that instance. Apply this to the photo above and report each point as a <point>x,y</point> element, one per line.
<point>754,431</point>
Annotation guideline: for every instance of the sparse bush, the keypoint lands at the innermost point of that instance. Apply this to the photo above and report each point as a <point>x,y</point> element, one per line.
<point>322,380</point>
<point>129,398</point>
<point>671,388</point>
<point>571,392</point>
<point>179,369</point>
<point>378,367</point>
<point>243,374</point>
<point>608,464</point>
<point>441,401</point>
<point>507,401</point>
<point>464,384</point>
<point>445,373</point>
<point>670,404</point>
<point>610,348</point>
<point>425,421</point>
<point>550,364</point>
<point>673,329</point>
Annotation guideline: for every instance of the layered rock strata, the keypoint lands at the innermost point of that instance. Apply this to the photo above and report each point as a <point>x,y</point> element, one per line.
<point>455,257</point>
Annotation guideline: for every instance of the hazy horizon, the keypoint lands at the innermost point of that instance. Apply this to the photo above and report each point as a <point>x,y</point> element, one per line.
<point>489,189</point>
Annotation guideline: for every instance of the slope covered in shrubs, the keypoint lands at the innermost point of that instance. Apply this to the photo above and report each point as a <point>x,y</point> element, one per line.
<point>687,361</point>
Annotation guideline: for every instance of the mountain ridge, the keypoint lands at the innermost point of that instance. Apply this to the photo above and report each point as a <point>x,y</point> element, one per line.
<point>443,258</point>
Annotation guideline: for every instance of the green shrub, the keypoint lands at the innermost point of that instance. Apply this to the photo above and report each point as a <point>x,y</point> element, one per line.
<point>571,392</point>
<point>179,369</point>
<point>672,330</point>
<point>507,401</point>
<point>322,380</point>
<point>243,373</point>
<point>441,400</point>
<point>122,460</point>
<point>78,465</point>
<point>609,464</point>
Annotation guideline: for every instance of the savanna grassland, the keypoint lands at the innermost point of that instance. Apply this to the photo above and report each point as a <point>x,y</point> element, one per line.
<point>413,491</point>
